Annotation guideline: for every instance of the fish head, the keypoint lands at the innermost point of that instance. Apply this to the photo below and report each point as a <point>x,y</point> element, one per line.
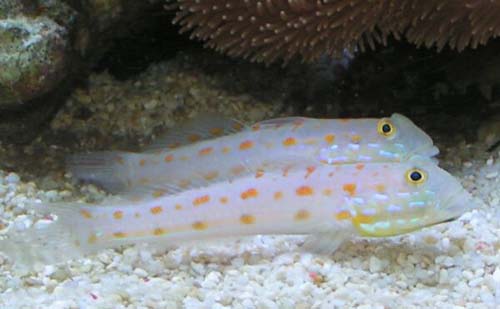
<point>418,194</point>
<point>406,138</point>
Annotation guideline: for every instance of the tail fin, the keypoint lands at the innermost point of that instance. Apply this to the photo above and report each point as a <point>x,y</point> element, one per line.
<point>108,169</point>
<point>56,242</point>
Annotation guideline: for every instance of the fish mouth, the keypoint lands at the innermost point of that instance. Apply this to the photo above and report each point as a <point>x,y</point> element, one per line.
<point>426,151</point>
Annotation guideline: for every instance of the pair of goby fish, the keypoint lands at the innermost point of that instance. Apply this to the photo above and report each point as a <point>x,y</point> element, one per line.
<point>332,179</point>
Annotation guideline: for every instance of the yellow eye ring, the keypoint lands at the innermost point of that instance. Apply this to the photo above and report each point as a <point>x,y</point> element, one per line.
<point>386,128</point>
<point>416,176</point>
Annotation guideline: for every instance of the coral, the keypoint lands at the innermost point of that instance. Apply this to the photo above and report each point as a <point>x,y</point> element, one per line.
<point>267,30</point>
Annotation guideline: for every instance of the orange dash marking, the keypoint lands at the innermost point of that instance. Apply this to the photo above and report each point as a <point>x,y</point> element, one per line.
<point>216,131</point>
<point>194,138</point>
<point>156,210</point>
<point>92,238</point>
<point>246,145</point>
<point>310,170</point>
<point>380,188</point>
<point>201,200</point>
<point>169,158</point>
<point>343,215</point>
<point>178,207</point>
<point>278,195</point>
<point>223,200</point>
<point>142,162</point>
<point>327,192</point>
<point>302,215</point>
<point>211,175</point>
<point>247,219</point>
<point>118,214</point>
<point>237,170</point>
<point>330,138</point>
<point>304,191</point>
<point>159,231</point>
<point>159,193</point>
<point>205,151</point>
<point>86,214</point>
<point>226,149</point>
<point>350,188</point>
<point>360,166</point>
<point>290,141</point>
<point>259,173</point>
<point>119,235</point>
<point>199,225</point>
<point>249,193</point>
<point>356,138</point>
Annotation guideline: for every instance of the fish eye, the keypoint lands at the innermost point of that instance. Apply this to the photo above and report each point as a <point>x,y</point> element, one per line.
<point>386,128</point>
<point>415,176</point>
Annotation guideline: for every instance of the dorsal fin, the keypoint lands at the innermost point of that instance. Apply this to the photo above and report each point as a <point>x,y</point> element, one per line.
<point>279,122</point>
<point>202,127</point>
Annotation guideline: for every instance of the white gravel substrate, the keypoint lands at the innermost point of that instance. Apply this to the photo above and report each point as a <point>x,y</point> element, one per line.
<point>456,265</point>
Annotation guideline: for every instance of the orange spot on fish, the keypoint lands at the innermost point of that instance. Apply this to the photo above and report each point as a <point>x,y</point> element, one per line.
<point>169,158</point>
<point>310,170</point>
<point>156,210</point>
<point>350,188</point>
<point>356,138</point>
<point>199,225</point>
<point>290,141</point>
<point>223,200</point>
<point>302,215</point>
<point>226,149</point>
<point>246,145</point>
<point>360,166</point>
<point>380,188</point>
<point>216,131</point>
<point>178,207</point>
<point>174,145</point>
<point>159,193</point>
<point>85,213</point>
<point>343,215</point>
<point>259,173</point>
<point>142,162</point>
<point>330,138</point>
<point>327,192</point>
<point>119,235</point>
<point>92,238</point>
<point>201,200</point>
<point>205,151</point>
<point>247,219</point>
<point>278,195</point>
<point>304,191</point>
<point>237,126</point>
<point>211,175</point>
<point>159,231</point>
<point>237,170</point>
<point>184,183</point>
<point>250,193</point>
<point>118,214</point>
<point>286,170</point>
<point>194,138</point>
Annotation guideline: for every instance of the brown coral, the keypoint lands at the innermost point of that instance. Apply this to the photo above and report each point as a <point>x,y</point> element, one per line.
<point>267,30</point>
